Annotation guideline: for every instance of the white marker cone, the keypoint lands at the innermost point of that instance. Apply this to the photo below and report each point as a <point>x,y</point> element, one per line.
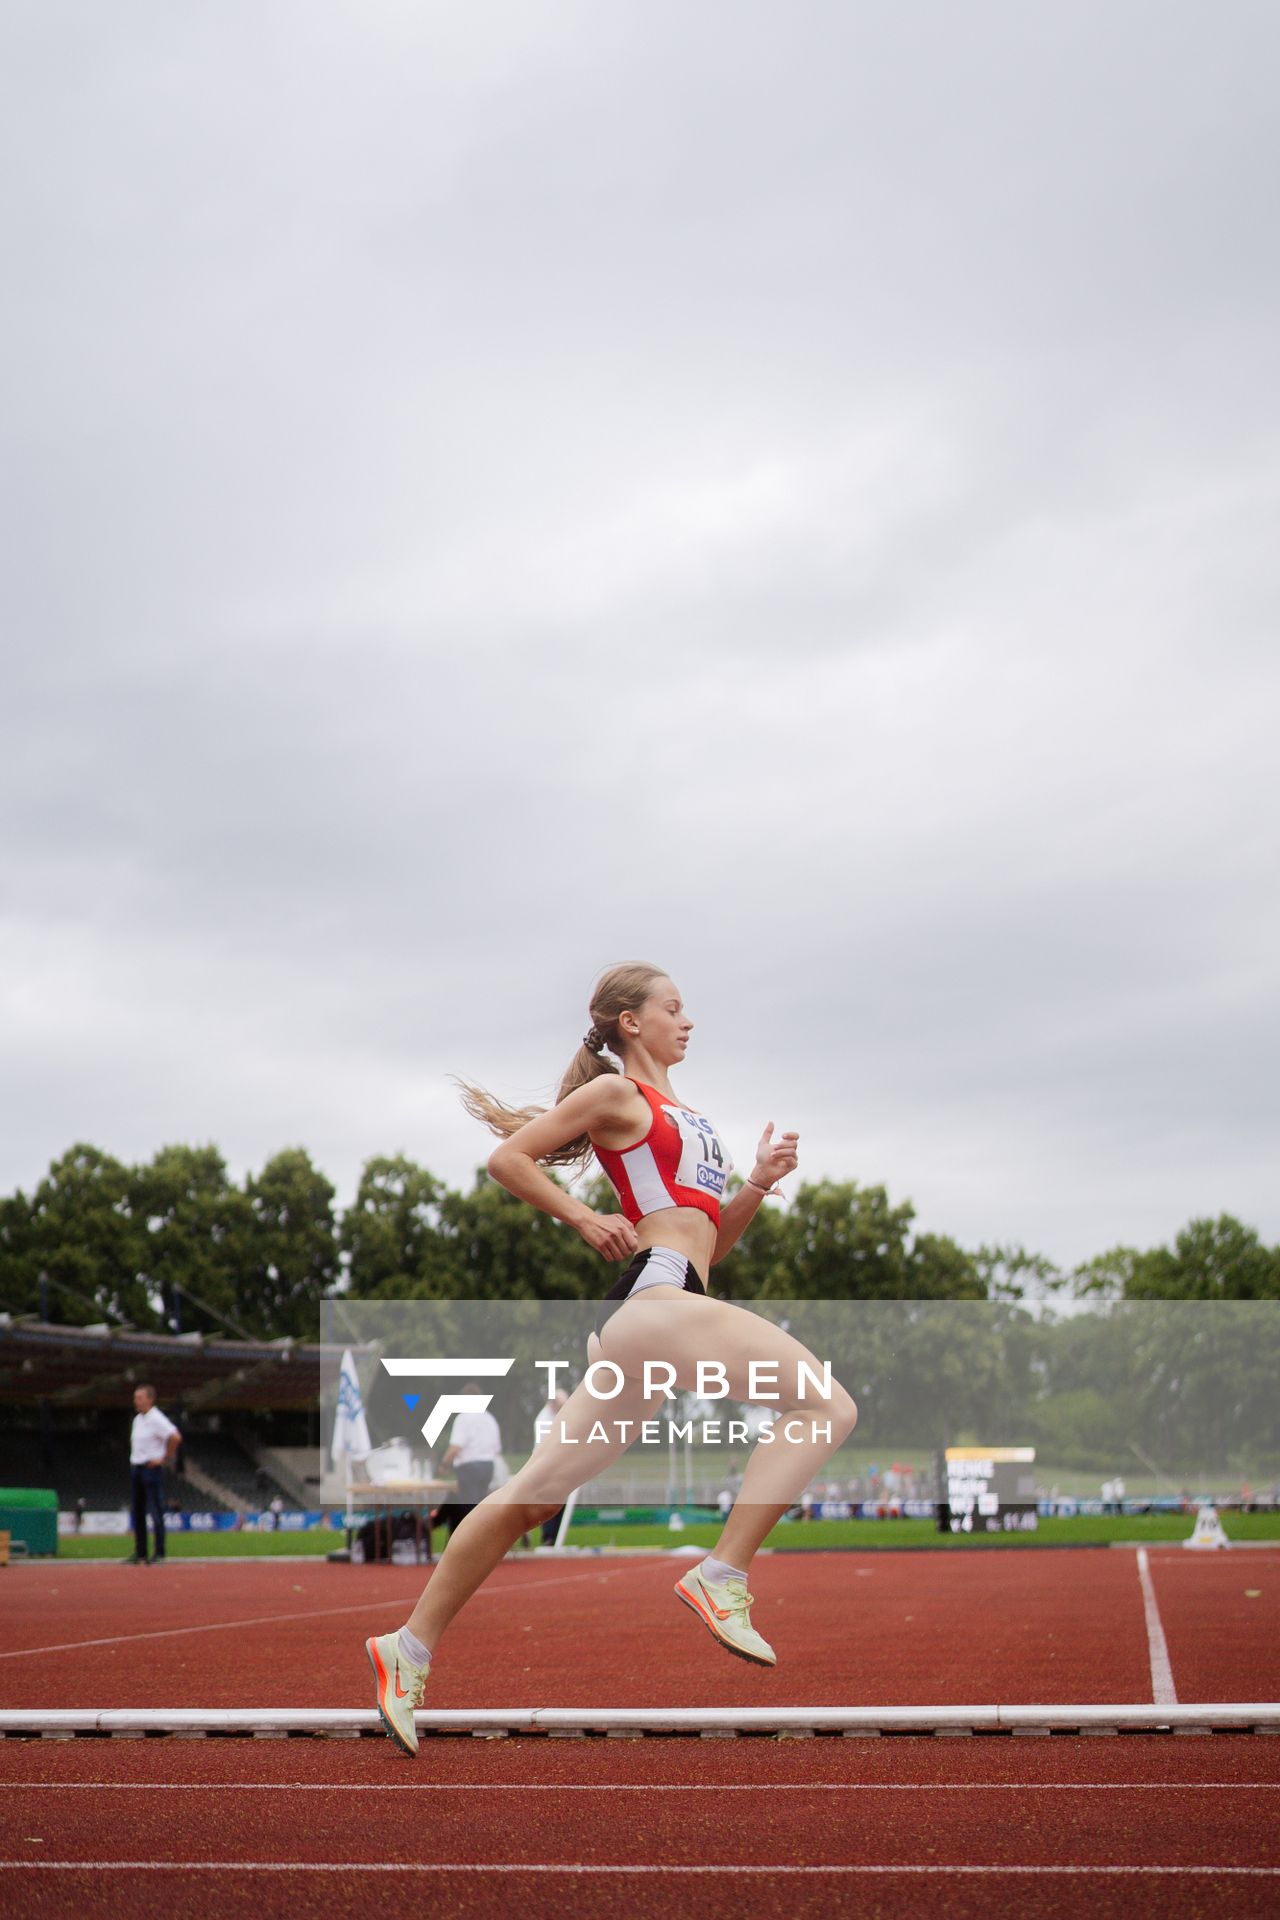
<point>1208,1530</point>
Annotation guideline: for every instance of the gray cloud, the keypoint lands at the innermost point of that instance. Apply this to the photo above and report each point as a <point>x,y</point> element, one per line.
<point>789,497</point>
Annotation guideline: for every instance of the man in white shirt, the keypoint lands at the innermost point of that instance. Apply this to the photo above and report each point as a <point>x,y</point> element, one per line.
<point>542,1426</point>
<point>474,1446</point>
<point>152,1444</point>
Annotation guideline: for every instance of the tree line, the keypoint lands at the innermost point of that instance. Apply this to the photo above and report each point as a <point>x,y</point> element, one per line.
<point>176,1245</point>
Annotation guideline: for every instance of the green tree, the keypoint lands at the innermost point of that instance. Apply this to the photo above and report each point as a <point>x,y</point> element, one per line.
<point>844,1242</point>
<point>391,1234</point>
<point>1082,1409</point>
<point>938,1269</point>
<point>197,1253</point>
<point>1107,1276</point>
<point>935,1372</point>
<point>1210,1260</point>
<point>1012,1273</point>
<point>839,1241</point>
<point>504,1249</point>
<point>409,1237</point>
<point>761,1265</point>
<point>82,1229</point>
<point>18,1289</point>
<point>293,1248</point>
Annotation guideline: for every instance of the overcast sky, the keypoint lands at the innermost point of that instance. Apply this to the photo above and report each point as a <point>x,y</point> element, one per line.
<point>788,493</point>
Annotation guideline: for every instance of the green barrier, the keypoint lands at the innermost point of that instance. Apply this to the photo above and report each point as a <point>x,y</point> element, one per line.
<point>642,1516</point>
<point>30,1514</point>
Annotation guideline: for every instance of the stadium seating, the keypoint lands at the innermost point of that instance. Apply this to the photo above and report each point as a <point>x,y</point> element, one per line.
<point>229,1464</point>
<point>93,1465</point>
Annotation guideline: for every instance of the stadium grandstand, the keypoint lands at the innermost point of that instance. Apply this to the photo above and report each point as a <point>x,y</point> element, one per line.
<point>248,1412</point>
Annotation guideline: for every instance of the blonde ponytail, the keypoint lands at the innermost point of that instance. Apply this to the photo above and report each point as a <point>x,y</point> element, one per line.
<point>620,990</point>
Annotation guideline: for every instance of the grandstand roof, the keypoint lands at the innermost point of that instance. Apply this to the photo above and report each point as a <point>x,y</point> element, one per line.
<point>99,1366</point>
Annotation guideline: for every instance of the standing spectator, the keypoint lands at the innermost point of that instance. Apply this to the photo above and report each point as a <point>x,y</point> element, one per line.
<point>80,1513</point>
<point>153,1442</point>
<point>541,1427</point>
<point>730,1489</point>
<point>475,1445</point>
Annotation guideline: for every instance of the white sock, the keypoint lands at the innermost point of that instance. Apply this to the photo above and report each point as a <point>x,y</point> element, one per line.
<point>713,1569</point>
<point>412,1649</point>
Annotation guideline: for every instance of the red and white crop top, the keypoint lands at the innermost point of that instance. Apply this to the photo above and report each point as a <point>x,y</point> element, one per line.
<point>681,1162</point>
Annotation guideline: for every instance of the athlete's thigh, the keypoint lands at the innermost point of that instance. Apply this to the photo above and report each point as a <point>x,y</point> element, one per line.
<point>584,1407</point>
<point>587,1434</point>
<point>686,1330</point>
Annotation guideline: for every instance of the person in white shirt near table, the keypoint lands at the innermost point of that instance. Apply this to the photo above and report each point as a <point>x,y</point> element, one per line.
<point>474,1446</point>
<point>152,1444</point>
<point>541,1427</point>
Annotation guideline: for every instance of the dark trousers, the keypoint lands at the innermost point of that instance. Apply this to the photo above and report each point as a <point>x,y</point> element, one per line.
<point>551,1527</point>
<point>473,1484</point>
<point>148,1497</point>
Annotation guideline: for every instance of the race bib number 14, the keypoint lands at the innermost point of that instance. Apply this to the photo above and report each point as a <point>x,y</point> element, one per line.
<point>704,1162</point>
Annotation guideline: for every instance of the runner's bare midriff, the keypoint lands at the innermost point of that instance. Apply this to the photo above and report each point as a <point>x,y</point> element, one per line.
<point>686,1229</point>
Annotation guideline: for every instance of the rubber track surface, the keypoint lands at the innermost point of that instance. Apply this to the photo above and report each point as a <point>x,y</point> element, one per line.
<point>882,1629</point>
<point>895,1803</point>
<point>935,1814</point>
<point>1221,1617</point>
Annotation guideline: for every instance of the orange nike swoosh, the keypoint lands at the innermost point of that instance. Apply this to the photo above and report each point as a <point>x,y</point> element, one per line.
<point>402,1693</point>
<point>709,1606</point>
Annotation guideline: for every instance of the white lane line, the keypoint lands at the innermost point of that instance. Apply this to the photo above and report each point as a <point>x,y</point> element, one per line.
<point>308,1613</point>
<point>645,1786</point>
<point>1162,1692</point>
<point>560,1866</point>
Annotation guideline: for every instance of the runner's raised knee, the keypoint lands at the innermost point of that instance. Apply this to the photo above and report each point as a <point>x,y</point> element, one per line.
<point>844,1412</point>
<point>537,1515</point>
<point>838,1411</point>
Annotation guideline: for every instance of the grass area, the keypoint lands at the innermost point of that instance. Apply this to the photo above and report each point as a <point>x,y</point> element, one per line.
<point>1080,1530</point>
<point>859,1457</point>
<point>202,1546</point>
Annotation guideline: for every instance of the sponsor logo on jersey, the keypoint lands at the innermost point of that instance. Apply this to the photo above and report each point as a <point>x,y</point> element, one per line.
<point>711,1177</point>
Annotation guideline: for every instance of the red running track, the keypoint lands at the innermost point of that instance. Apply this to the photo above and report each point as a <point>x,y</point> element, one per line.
<point>892,1826</point>
<point>926,1629</point>
<point>944,1824</point>
<point>1221,1618</point>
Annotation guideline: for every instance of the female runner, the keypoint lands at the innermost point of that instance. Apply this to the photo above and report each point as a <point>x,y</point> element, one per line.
<point>668,1167</point>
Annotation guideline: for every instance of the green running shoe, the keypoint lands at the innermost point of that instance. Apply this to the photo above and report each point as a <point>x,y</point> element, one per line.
<point>722,1606</point>
<point>399,1689</point>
